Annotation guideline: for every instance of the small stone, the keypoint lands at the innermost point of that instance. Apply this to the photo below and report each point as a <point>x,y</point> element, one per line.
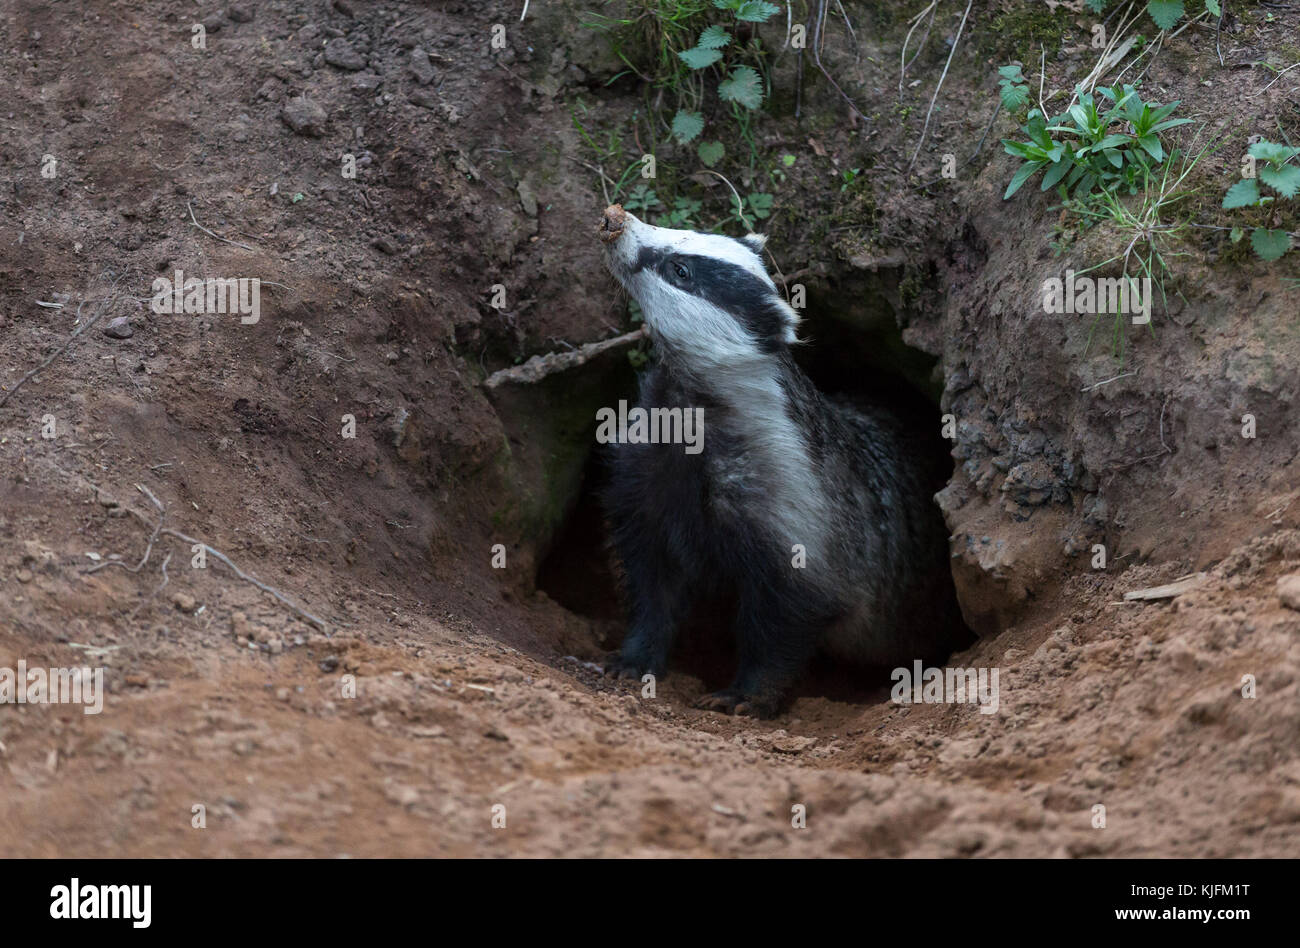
<point>340,53</point>
<point>119,328</point>
<point>105,500</point>
<point>185,603</point>
<point>136,680</point>
<point>424,98</point>
<point>304,116</point>
<point>240,13</point>
<point>275,646</point>
<point>402,795</point>
<point>1288,590</point>
<point>384,245</point>
<point>329,663</point>
<point>365,82</point>
<point>421,68</point>
<point>790,744</point>
<point>24,575</point>
<point>282,694</point>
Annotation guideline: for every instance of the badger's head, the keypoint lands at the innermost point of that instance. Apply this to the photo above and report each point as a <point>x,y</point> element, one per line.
<point>707,297</point>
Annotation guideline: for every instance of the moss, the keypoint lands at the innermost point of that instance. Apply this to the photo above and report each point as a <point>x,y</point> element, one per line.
<point>1021,32</point>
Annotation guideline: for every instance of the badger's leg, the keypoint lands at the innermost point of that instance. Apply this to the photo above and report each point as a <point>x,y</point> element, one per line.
<point>658,599</point>
<point>776,637</point>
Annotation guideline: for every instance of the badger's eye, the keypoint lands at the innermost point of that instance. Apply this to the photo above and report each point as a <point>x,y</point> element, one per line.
<point>682,270</point>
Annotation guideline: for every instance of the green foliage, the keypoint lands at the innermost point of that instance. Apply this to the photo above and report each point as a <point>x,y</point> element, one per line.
<point>1013,88</point>
<point>684,215</point>
<point>1148,228</point>
<point>687,125</point>
<point>641,198</point>
<point>759,204</point>
<point>1276,173</point>
<point>673,44</point>
<point>1089,149</point>
<point>1166,14</point>
<point>710,153</point>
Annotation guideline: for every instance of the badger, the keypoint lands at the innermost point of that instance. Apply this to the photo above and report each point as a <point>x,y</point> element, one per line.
<point>814,517</point>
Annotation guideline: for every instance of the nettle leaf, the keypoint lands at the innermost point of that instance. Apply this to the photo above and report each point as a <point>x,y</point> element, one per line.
<point>1270,244</point>
<point>1273,152</point>
<point>1284,179</point>
<point>743,86</point>
<point>711,153</point>
<point>1166,13</point>
<point>715,37</point>
<point>756,11</point>
<point>1011,72</point>
<point>687,125</point>
<point>1096,6</point>
<point>1014,98</point>
<point>1212,6</point>
<point>1236,234</point>
<point>698,58</point>
<point>1245,193</point>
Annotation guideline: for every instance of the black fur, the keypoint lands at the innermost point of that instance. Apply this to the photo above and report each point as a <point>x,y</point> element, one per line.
<point>693,527</point>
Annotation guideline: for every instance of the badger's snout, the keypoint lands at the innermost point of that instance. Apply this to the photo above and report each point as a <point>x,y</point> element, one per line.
<point>612,223</point>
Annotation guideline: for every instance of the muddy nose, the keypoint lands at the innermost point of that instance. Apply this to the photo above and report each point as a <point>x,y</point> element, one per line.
<point>611,225</point>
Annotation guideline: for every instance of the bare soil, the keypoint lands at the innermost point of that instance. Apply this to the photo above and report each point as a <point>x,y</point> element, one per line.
<point>474,688</point>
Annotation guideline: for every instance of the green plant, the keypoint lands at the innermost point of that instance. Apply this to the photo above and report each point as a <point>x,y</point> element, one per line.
<point>1149,226</point>
<point>1164,13</point>
<point>671,44</point>
<point>1273,170</point>
<point>684,215</point>
<point>1095,149</point>
<point>1013,88</point>
<point>641,198</point>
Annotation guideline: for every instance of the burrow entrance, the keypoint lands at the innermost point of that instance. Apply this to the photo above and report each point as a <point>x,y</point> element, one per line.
<point>854,349</point>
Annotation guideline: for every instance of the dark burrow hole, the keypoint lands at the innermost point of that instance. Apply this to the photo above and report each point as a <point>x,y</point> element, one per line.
<point>857,354</point>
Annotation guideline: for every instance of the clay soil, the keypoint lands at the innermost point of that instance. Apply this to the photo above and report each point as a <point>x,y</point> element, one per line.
<point>473,688</point>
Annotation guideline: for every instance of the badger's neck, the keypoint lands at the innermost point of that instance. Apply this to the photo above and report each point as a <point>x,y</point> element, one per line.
<point>758,385</point>
<point>764,397</point>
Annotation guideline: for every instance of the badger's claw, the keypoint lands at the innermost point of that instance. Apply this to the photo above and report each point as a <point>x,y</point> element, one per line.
<point>731,701</point>
<point>619,666</point>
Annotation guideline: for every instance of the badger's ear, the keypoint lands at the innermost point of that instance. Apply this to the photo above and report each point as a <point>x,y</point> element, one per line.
<point>755,242</point>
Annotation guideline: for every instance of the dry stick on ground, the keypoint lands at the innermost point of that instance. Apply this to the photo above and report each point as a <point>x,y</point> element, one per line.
<point>100,311</point>
<point>162,515</point>
<point>817,59</point>
<point>234,243</point>
<point>153,595</point>
<point>903,62</point>
<point>217,554</point>
<point>539,367</point>
<point>952,52</point>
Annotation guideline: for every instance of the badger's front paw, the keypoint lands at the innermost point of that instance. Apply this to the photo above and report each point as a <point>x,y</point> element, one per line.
<point>733,701</point>
<point>623,666</point>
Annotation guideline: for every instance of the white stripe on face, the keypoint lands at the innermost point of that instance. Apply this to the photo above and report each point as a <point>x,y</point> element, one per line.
<point>687,322</point>
<point>668,240</point>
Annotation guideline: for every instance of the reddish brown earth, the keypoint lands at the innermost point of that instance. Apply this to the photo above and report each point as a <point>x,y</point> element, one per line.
<point>474,689</point>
